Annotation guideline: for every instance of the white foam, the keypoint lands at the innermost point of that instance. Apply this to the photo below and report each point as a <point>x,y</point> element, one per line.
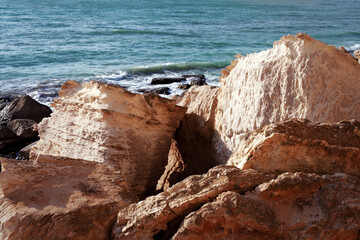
<point>353,48</point>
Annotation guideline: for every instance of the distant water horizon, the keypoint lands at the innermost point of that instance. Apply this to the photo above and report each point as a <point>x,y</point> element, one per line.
<point>45,43</point>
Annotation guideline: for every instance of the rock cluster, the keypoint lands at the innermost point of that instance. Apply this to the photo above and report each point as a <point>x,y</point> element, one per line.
<point>235,162</point>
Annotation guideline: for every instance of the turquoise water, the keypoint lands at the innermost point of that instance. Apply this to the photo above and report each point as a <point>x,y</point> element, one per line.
<point>46,42</point>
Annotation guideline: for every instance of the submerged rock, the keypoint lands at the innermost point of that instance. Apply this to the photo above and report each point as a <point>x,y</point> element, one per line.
<point>299,77</point>
<point>300,145</point>
<point>108,124</point>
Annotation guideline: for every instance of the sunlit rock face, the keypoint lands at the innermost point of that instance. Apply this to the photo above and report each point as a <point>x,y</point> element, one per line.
<point>299,77</point>
<point>108,124</point>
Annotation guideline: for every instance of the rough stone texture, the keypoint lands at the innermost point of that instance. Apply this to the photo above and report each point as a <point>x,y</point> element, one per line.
<point>357,54</point>
<point>106,123</point>
<point>193,152</point>
<point>155,214</point>
<point>23,128</point>
<point>24,153</point>
<point>292,206</point>
<point>59,199</point>
<point>24,108</point>
<point>300,145</point>
<point>298,78</point>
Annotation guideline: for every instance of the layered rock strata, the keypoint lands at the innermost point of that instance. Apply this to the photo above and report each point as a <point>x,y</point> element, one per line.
<point>300,145</point>
<point>107,124</point>
<point>228,203</point>
<point>299,77</point>
<point>60,199</point>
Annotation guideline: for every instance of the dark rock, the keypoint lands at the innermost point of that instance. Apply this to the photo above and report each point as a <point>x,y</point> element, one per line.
<point>198,82</point>
<point>23,128</point>
<point>24,108</point>
<point>166,80</point>
<point>198,76</point>
<point>5,101</point>
<point>184,86</point>
<point>6,134</point>
<point>24,153</point>
<point>162,90</point>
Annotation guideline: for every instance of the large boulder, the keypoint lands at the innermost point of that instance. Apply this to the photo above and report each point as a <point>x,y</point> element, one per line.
<point>60,199</point>
<point>24,108</point>
<point>108,124</point>
<point>299,77</point>
<point>300,145</point>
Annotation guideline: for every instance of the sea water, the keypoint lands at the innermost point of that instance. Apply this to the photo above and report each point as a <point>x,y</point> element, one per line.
<point>44,43</point>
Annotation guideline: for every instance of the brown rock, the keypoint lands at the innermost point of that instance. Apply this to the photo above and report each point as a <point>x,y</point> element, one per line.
<point>299,145</point>
<point>153,215</point>
<point>299,77</point>
<point>59,200</point>
<point>193,149</point>
<point>23,128</point>
<point>108,124</point>
<point>24,108</point>
<point>291,206</point>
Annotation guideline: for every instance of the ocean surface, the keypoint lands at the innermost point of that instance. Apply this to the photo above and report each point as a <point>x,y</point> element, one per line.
<point>44,43</point>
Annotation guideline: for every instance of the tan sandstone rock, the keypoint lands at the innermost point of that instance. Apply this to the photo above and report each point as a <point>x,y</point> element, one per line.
<point>155,214</point>
<point>299,77</point>
<point>292,206</point>
<point>357,54</point>
<point>60,199</point>
<point>108,124</point>
<point>192,152</point>
<point>300,145</point>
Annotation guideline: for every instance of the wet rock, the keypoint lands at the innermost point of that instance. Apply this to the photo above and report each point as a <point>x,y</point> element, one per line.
<point>300,145</point>
<point>166,80</point>
<point>184,86</point>
<point>24,108</point>
<point>108,124</point>
<point>162,90</point>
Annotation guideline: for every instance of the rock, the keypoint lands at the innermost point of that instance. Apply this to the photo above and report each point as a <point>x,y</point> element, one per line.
<point>5,101</point>
<point>292,206</point>
<point>300,145</point>
<point>24,153</point>
<point>299,77</point>
<point>197,76</point>
<point>6,135</point>
<point>151,216</point>
<point>197,127</point>
<point>60,199</point>
<point>23,128</point>
<point>163,90</point>
<point>198,82</point>
<point>357,54</point>
<point>108,124</point>
<point>24,108</point>
<point>166,80</point>
<point>184,86</point>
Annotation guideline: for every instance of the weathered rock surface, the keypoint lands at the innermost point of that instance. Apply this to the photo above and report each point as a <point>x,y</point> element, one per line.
<point>24,108</point>
<point>292,206</point>
<point>300,145</point>
<point>298,78</point>
<point>108,124</point>
<point>223,204</point>
<point>23,128</point>
<point>60,199</point>
<point>357,54</point>
<point>192,153</point>
<point>153,215</point>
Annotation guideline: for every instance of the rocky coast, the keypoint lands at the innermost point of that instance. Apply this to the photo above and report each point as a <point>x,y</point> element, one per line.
<point>273,153</point>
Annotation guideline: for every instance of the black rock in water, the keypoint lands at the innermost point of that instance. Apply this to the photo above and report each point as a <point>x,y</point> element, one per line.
<point>166,80</point>
<point>162,90</point>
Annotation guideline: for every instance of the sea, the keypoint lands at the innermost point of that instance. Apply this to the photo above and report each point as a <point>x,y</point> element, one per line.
<point>44,43</point>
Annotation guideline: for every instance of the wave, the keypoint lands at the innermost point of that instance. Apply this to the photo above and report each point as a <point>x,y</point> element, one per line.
<point>176,67</point>
<point>139,32</point>
<point>353,48</point>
